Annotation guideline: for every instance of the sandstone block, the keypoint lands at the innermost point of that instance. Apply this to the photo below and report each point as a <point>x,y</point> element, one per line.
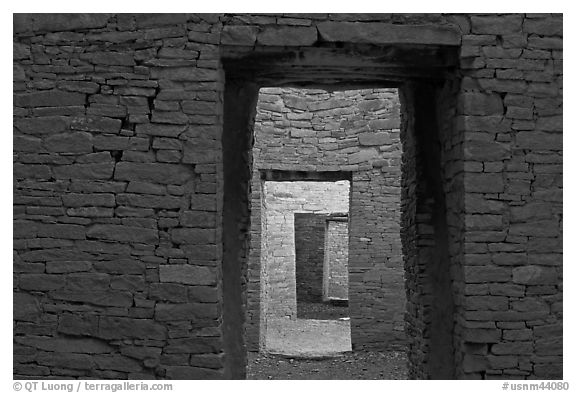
<point>287,36</point>
<point>80,200</point>
<point>186,312</point>
<point>482,335</point>
<point>534,275</point>
<point>78,325</point>
<point>513,348</point>
<point>148,201</point>
<point>43,125</point>
<point>483,183</point>
<point>174,293</point>
<point>123,233</point>
<point>374,139</point>
<point>190,74</point>
<point>66,345</point>
<point>193,236</point>
<point>74,361</point>
<point>120,266</point>
<point>98,171</point>
<point>496,24</point>
<point>198,219</point>
<point>478,274</point>
<point>96,124</point>
<point>536,140</point>
<point>162,130</point>
<point>25,307</point>
<point>383,33</point>
<point>238,35</point>
<point>108,298</point>
<point>123,328</point>
<point>77,142</point>
<point>187,274</point>
<point>112,58</point>
<point>153,172</point>
<point>40,282</point>
<point>49,98</point>
<point>117,363</point>
<point>94,281</point>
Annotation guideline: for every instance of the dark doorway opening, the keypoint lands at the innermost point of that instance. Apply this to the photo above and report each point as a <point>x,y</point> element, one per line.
<point>429,200</point>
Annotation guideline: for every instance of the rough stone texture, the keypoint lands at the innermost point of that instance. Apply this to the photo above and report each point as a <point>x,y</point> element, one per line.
<point>125,79</point>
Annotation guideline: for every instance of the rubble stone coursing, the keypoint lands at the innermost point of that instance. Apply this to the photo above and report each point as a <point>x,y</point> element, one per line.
<point>355,133</point>
<point>309,231</point>
<point>132,170</point>
<point>336,260</point>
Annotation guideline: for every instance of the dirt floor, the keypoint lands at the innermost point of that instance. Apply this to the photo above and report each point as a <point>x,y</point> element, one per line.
<point>351,365</point>
<point>308,338</point>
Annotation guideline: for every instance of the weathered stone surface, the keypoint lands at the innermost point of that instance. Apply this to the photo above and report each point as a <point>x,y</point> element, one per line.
<point>110,298</point>
<point>78,325</point>
<point>41,282</point>
<point>43,125</point>
<point>534,275</point>
<point>238,35</point>
<point>153,172</point>
<point>25,307</point>
<point>123,233</point>
<point>382,33</point>
<point>74,345</point>
<point>287,36</point>
<point>185,312</point>
<point>484,183</point>
<point>193,236</point>
<point>49,98</point>
<point>191,74</point>
<point>61,22</point>
<point>486,151</point>
<point>187,274</point>
<point>123,328</point>
<point>496,24</point>
<point>149,201</point>
<point>79,200</point>
<point>173,293</point>
<point>74,361</point>
<point>535,140</point>
<point>120,266</point>
<point>77,142</point>
<point>99,171</point>
<point>474,274</point>
<point>374,139</point>
<point>96,124</point>
<point>117,363</point>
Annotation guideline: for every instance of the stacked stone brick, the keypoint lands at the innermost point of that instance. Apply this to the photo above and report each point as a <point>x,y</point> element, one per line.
<point>121,185</point>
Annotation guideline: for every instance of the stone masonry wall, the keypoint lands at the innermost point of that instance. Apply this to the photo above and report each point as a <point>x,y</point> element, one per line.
<point>309,230</point>
<point>282,200</point>
<point>336,260</point>
<point>119,183</point>
<point>355,132</point>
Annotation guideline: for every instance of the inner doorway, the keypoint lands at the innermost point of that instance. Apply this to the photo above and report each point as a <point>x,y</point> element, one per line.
<point>428,101</point>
